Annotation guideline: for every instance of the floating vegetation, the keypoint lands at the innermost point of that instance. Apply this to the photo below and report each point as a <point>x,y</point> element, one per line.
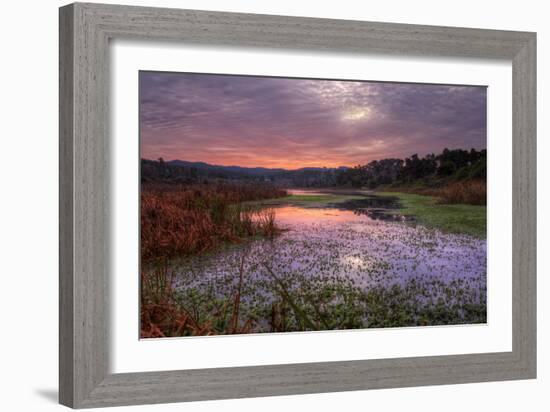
<point>328,269</point>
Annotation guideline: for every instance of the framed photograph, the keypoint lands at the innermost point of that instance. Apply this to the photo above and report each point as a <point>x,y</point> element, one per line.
<point>256,205</point>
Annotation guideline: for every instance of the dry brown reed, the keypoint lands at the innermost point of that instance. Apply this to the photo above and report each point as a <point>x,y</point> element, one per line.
<point>470,192</point>
<point>193,219</point>
<point>163,315</point>
<point>160,314</point>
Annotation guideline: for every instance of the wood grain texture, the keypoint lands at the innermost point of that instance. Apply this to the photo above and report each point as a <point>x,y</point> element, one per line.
<point>524,124</point>
<point>85,31</point>
<point>66,228</point>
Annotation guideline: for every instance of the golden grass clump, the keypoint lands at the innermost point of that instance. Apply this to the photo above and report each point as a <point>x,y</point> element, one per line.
<point>470,192</point>
<point>467,192</point>
<point>193,219</point>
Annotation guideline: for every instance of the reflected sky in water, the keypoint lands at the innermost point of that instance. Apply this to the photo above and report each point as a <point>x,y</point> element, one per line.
<point>329,245</point>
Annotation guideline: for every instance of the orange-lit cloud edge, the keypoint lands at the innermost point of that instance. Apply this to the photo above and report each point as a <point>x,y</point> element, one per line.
<point>295,123</point>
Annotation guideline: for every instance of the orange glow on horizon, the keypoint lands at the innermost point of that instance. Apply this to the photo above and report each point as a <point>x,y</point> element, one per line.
<point>316,159</point>
<point>271,163</point>
<point>285,155</point>
<point>291,124</point>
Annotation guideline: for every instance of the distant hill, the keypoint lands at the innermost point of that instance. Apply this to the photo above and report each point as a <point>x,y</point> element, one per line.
<point>183,172</point>
<point>252,171</point>
<point>255,171</point>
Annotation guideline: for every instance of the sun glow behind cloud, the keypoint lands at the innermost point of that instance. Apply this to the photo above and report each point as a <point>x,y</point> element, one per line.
<point>292,123</point>
<point>357,114</point>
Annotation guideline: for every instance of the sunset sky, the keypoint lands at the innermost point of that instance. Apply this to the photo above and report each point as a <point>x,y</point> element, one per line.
<point>294,123</point>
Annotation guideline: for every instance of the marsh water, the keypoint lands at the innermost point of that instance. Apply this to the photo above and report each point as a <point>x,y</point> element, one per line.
<point>329,253</point>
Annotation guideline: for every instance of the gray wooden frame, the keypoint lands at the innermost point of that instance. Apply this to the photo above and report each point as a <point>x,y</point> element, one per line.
<point>85,31</point>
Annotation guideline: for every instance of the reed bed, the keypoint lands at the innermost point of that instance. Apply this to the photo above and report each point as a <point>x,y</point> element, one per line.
<point>165,312</point>
<point>470,192</point>
<point>189,220</point>
<point>467,192</point>
<point>194,219</point>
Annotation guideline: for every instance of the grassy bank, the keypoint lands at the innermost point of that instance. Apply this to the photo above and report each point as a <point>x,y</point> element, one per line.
<point>427,210</point>
<point>467,192</point>
<point>453,218</point>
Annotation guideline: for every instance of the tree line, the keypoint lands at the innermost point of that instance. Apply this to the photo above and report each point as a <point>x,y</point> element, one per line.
<point>457,164</point>
<point>449,165</point>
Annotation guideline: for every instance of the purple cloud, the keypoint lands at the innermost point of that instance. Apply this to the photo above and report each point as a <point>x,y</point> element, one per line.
<point>279,122</point>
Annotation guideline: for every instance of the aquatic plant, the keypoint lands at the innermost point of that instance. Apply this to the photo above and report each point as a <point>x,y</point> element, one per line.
<point>192,219</point>
<point>328,268</point>
<point>341,271</point>
<point>164,312</point>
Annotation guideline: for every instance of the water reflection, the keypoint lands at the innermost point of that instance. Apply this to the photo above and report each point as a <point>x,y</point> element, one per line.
<point>344,245</point>
<point>360,203</point>
<point>305,192</point>
<point>292,215</point>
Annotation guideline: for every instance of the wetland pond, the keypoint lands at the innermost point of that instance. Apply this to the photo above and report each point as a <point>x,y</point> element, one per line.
<point>342,260</point>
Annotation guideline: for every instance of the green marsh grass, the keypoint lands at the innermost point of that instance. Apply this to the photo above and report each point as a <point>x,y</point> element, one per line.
<point>451,218</point>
